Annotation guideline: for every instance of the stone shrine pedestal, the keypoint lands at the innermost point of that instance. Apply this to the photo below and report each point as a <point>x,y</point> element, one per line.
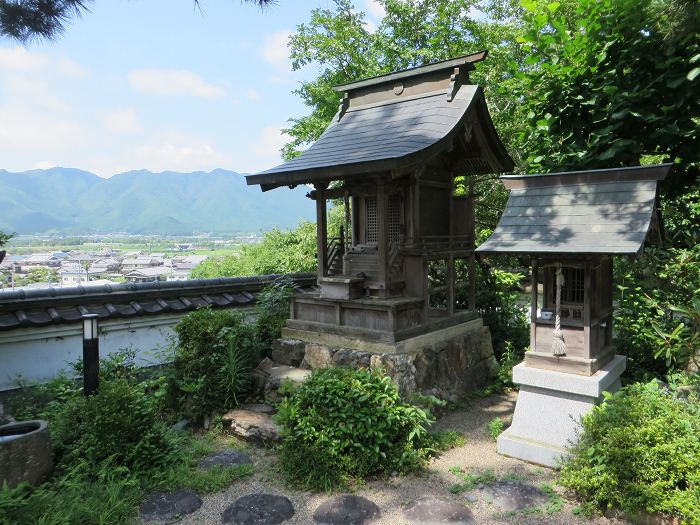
<point>549,409</point>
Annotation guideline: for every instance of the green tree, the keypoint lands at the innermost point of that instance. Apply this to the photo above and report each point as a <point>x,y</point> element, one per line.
<point>339,41</point>
<point>280,251</point>
<point>615,83</point>
<point>612,83</point>
<point>38,275</point>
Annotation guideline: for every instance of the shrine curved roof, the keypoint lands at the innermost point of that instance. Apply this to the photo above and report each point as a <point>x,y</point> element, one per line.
<point>393,135</point>
<point>603,212</point>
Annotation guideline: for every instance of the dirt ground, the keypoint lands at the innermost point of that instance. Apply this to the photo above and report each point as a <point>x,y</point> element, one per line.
<point>392,496</point>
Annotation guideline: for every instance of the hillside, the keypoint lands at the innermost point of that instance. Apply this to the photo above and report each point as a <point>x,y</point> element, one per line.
<point>67,200</point>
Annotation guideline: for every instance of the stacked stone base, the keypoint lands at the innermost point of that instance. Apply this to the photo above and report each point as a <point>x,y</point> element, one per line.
<point>448,363</point>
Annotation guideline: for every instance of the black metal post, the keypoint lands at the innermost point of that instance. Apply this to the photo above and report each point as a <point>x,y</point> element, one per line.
<point>91,354</point>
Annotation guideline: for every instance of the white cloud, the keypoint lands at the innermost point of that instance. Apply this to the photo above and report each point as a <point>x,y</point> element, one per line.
<point>122,120</point>
<point>35,132</point>
<point>371,26</point>
<point>375,9</point>
<point>268,144</point>
<point>173,82</point>
<point>275,51</point>
<point>253,95</point>
<point>45,164</point>
<point>179,153</point>
<point>18,58</point>
<point>33,91</point>
<point>70,68</point>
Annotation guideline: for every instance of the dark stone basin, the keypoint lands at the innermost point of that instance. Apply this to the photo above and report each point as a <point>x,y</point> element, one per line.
<point>25,452</point>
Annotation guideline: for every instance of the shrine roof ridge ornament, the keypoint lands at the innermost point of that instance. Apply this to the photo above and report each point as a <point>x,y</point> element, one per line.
<point>415,71</point>
<point>397,123</point>
<point>599,212</point>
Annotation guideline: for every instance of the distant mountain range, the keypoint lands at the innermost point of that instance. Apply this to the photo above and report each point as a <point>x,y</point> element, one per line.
<point>72,201</point>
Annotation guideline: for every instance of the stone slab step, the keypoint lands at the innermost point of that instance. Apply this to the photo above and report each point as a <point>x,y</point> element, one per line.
<point>288,352</point>
<point>280,374</point>
<point>252,426</point>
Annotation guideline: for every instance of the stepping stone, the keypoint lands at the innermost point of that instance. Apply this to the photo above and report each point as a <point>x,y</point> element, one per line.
<point>169,507</point>
<point>346,510</point>
<point>280,374</point>
<point>437,511</point>
<point>225,458</point>
<point>252,426</point>
<point>259,509</point>
<point>259,408</point>
<point>514,495</point>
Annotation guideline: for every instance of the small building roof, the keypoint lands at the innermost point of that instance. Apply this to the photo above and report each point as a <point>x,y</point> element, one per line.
<point>395,122</point>
<point>151,271</point>
<point>609,211</point>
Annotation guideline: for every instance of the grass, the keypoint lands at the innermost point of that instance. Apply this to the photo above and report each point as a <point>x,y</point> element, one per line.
<point>496,427</point>
<point>445,440</point>
<point>470,481</point>
<point>113,496</point>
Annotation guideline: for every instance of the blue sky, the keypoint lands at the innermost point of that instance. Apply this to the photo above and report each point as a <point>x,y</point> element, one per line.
<point>155,84</point>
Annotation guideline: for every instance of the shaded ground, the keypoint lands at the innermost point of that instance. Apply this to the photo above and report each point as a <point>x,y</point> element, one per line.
<point>393,496</point>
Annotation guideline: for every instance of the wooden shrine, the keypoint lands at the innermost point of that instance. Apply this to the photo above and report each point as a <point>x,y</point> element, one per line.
<point>570,226</point>
<point>392,156</point>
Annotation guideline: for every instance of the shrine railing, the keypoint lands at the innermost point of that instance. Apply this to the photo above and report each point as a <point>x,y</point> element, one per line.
<point>439,244</point>
<point>334,255</point>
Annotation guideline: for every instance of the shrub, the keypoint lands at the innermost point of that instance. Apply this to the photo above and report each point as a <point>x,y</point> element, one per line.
<point>273,305</point>
<point>211,363</point>
<point>652,295</point>
<point>343,423</point>
<point>497,295</point>
<point>118,426</point>
<point>639,450</point>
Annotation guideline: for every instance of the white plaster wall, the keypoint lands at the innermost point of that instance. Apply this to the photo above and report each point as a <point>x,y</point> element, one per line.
<point>39,354</point>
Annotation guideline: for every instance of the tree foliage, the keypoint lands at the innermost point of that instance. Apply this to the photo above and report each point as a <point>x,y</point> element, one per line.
<point>280,251</point>
<point>612,83</point>
<point>639,451</point>
<point>340,42</point>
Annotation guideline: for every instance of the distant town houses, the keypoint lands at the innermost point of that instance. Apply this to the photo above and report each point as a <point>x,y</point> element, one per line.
<point>87,268</point>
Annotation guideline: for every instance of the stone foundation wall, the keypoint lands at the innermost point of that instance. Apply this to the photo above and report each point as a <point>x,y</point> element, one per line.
<point>447,368</point>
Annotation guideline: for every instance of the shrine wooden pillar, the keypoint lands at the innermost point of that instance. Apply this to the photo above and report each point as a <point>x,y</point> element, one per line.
<point>533,298</point>
<point>471,228</point>
<point>382,237</point>
<point>321,230</point>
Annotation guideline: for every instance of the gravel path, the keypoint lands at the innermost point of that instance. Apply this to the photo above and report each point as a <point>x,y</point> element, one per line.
<point>393,495</point>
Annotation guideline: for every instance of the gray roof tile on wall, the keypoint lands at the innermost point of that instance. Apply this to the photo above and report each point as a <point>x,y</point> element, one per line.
<point>41,307</point>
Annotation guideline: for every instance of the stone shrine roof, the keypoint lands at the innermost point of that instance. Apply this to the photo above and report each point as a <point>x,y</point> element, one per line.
<point>608,211</point>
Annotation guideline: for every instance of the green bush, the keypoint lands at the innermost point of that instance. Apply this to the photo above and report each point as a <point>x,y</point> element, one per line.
<point>344,423</point>
<point>657,319</point>
<point>273,306</point>
<point>110,449</point>
<point>497,294</point>
<point>639,450</point>
<point>211,363</point>
<point>118,426</point>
